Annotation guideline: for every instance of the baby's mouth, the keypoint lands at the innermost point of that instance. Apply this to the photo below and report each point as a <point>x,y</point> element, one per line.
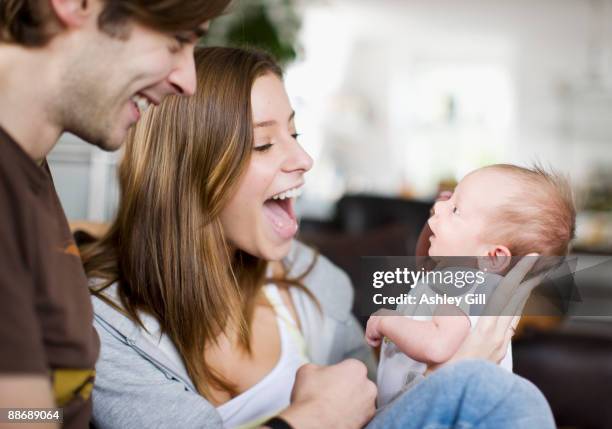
<point>433,233</point>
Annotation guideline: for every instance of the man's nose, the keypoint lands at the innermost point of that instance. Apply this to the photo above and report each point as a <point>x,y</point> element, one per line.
<point>183,77</point>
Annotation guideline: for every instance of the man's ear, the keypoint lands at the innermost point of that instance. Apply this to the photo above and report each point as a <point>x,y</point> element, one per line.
<point>496,260</point>
<point>72,13</point>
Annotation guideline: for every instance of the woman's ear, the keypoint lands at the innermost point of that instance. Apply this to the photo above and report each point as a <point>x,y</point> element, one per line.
<point>72,13</point>
<point>497,259</point>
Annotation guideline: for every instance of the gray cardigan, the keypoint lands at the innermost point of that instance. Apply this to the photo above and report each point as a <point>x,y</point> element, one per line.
<point>139,382</point>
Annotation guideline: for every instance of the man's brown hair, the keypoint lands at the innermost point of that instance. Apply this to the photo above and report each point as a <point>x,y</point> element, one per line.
<point>32,22</point>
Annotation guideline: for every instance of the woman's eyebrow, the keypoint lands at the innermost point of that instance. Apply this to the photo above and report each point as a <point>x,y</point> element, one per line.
<point>272,122</point>
<point>265,124</point>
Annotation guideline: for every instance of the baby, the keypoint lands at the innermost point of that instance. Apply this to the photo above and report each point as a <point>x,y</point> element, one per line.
<point>494,213</point>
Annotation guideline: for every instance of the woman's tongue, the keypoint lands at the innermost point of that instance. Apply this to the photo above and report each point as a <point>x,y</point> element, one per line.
<point>280,214</point>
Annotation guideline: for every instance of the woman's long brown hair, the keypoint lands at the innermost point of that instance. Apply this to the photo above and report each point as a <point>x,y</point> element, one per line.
<point>166,248</point>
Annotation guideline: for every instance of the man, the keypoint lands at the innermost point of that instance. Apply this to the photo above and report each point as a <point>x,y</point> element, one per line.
<point>91,67</point>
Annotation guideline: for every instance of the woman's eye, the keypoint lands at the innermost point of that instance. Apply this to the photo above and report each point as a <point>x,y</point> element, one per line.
<point>263,147</point>
<point>295,135</point>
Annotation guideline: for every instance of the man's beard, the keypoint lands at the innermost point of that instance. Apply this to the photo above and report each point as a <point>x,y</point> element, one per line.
<point>91,122</point>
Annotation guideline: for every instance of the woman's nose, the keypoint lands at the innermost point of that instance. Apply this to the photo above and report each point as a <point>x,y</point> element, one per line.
<point>298,159</point>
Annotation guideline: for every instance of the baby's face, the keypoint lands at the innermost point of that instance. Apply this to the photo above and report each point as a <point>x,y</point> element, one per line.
<point>460,224</point>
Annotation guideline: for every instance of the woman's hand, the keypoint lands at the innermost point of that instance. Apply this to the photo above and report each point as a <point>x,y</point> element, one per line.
<point>338,396</point>
<point>490,337</point>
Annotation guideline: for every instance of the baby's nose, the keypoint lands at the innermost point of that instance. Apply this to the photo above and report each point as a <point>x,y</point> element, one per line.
<point>436,208</point>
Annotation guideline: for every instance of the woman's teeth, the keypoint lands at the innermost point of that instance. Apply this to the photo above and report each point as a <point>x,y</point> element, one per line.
<point>141,102</point>
<point>291,193</point>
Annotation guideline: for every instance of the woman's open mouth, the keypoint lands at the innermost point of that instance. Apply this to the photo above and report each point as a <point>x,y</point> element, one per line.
<point>279,210</point>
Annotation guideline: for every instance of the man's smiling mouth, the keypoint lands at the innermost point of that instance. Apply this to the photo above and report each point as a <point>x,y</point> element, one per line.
<point>142,102</point>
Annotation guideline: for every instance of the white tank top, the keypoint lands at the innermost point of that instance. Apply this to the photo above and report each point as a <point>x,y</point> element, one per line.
<point>271,394</point>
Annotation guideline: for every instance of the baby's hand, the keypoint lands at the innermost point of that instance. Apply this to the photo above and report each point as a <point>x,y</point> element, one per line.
<point>374,334</point>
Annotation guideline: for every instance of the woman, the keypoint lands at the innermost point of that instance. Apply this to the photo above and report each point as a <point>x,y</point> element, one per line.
<point>205,305</point>
<point>206,215</point>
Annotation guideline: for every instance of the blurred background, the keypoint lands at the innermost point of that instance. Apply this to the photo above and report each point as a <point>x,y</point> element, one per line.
<point>400,98</point>
<point>397,100</point>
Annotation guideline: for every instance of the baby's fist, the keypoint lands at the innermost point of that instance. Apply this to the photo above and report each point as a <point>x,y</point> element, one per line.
<point>374,329</point>
<point>373,334</point>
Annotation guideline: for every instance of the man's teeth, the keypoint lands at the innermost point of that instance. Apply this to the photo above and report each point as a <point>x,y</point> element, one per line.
<point>141,102</point>
<point>291,193</point>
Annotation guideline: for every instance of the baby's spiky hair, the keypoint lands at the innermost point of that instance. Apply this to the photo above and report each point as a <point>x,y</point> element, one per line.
<point>541,216</point>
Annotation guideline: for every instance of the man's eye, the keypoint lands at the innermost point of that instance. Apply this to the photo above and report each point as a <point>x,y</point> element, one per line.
<point>263,147</point>
<point>182,40</point>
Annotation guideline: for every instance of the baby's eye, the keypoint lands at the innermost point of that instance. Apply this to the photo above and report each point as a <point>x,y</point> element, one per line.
<point>454,210</point>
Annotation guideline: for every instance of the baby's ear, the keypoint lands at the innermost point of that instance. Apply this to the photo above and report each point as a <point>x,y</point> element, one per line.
<point>496,260</point>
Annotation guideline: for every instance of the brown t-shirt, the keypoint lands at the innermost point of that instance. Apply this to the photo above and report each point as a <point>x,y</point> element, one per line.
<point>45,309</point>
